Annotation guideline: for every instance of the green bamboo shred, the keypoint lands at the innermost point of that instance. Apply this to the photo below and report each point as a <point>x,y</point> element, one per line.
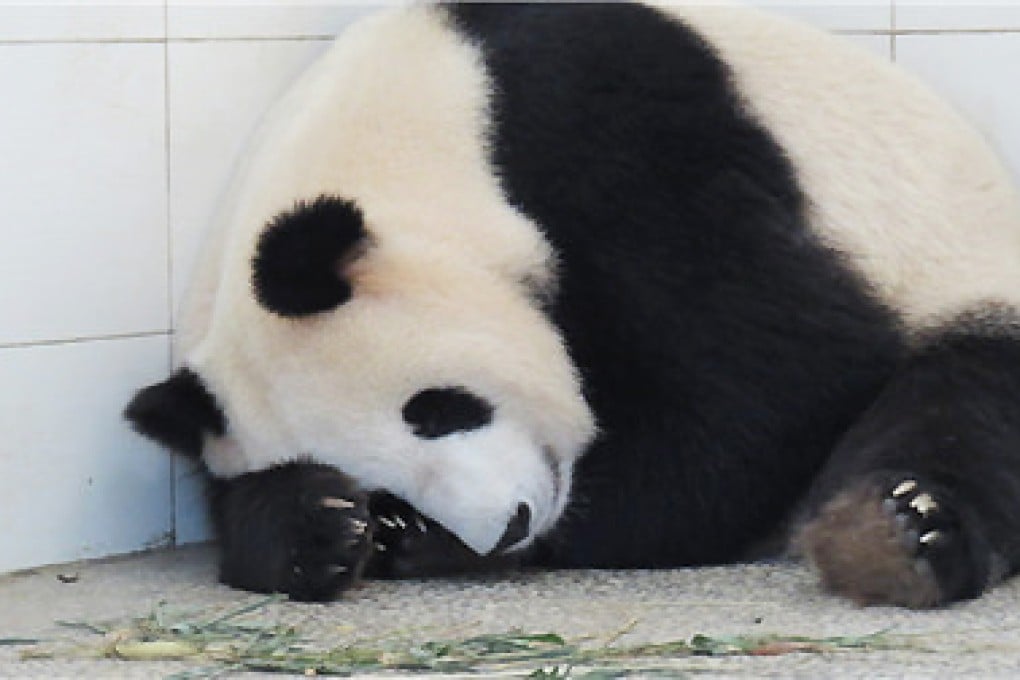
<point>233,640</point>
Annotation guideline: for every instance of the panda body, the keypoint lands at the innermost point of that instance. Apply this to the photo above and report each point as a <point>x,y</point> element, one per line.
<point>612,285</point>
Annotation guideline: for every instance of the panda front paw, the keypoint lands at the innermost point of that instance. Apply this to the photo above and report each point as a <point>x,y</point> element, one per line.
<point>331,546</point>
<point>897,539</point>
<point>407,544</point>
<point>300,528</point>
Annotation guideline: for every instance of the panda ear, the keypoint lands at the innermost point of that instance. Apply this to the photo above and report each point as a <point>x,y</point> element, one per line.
<point>177,413</point>
<point>298,267</point>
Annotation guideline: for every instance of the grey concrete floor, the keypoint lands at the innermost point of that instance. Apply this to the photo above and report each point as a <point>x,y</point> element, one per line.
<point>974,639</point>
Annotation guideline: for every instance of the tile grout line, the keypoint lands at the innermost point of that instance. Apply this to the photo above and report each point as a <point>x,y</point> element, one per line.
<point>170,302</point>
<point>312,37</point>
<point>926,31</point>
<point>82,339</point>
<point>1010,30</point>
<point>169,250</point>
<point>81,41</point>
<point>892,27</point>
<point>167,39</point>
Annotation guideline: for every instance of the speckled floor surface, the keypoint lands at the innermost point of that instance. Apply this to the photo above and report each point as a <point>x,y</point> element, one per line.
<point>976,639</point>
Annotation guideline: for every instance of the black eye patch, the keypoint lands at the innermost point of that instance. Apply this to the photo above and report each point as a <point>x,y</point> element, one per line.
<point>439,411</point>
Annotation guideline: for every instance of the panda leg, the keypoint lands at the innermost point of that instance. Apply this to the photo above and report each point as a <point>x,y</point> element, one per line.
<point>920,503</point>
<point>299,528</point>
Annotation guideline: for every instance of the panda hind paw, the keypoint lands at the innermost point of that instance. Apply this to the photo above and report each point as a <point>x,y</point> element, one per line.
<point>896,540</point>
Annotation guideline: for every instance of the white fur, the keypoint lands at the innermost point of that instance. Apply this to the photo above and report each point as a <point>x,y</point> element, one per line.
<point>896,179</point>
<point>394,116</point>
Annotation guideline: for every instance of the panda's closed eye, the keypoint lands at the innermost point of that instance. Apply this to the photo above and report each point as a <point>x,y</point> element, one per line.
<point>439,411</point>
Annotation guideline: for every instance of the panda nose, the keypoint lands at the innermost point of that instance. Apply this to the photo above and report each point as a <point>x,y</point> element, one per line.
<point>516,529</point>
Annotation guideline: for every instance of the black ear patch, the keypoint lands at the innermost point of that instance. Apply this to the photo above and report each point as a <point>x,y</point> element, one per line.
<point>176,413</point>
<point>440,411</point>
<point>298,264</point>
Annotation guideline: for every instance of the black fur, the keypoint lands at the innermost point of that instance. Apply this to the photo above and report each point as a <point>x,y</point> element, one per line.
<point>722,348</point>
<point>300,528</point>
<point>297,266</point>
<point>439,411</point>
<point>177,413</point>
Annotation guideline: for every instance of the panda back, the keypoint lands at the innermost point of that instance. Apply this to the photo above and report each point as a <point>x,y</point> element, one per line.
<point>895,179</point>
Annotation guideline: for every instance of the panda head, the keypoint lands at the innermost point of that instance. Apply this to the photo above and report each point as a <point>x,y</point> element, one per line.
<point>395,359</point>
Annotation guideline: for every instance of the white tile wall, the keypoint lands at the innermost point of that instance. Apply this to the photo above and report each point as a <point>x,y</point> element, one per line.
<point>956,16</point>
<point>266,18</point>
<point>74,482</point>
<point>22,20</point>
<point>116,115</point>
<point>192,523</point>
<point>873,42</point>
<point>84,198</point>
<point>849,15</point>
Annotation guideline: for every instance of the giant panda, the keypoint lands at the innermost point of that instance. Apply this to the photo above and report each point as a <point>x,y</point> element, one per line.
<point>606,286</point>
